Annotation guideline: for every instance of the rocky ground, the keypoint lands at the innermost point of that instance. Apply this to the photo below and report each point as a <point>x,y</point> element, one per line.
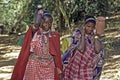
<point>9,51</point>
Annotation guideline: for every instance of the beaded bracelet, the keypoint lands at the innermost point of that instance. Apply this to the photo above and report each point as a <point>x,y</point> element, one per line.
<point>96,36</point>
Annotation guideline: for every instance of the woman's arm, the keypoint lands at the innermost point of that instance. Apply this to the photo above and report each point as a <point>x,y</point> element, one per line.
<point>98,44</point>
<point>81,45</point>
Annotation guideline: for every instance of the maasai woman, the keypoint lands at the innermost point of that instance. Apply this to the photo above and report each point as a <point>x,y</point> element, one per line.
<point>40,57</point>
<point>41,63</point>
<point>85,56</point>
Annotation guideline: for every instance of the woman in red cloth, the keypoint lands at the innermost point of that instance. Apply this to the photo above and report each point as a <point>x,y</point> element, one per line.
<point>40,57</point>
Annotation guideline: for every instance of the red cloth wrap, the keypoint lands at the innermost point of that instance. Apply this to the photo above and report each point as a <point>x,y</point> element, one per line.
<point>54,47</point>
<point>55,50</point>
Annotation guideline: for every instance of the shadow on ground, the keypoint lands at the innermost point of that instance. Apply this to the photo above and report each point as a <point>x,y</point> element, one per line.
<point>9,52</point>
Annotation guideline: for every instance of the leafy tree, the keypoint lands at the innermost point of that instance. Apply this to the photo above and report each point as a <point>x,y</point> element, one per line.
<point>17,14</point>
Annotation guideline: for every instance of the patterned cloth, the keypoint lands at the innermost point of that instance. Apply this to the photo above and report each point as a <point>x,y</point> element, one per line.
<point>81,66</point>
<point>38,68</point>
<point>98,66</point>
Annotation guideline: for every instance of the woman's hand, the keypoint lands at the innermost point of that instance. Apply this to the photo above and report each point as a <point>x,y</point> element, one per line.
<point>61,76</point>
<point>83,31</point>
<point>60,73</point>
<point>35,28</point>
<point>96,59</point>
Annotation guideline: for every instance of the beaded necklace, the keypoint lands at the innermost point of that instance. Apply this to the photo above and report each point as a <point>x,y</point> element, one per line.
<point>45,42</point>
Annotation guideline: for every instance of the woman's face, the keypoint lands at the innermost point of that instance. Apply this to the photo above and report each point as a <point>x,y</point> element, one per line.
<point>46,24</point>
<point>89,27</point>
<point>40,12</point>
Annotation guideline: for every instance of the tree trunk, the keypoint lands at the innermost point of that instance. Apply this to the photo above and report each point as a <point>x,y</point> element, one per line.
<point>61,7</point>
<point>59,14</point>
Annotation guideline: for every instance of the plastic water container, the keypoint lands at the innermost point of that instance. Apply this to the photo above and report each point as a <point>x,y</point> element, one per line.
<point>100,25</point>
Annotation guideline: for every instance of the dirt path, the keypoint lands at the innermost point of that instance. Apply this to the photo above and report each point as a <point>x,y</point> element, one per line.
<point>9,52</point>
<point>8,55</point>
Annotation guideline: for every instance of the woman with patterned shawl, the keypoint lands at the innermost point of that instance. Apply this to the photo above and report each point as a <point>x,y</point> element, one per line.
<point>85,56</point>
<point>40,57</point>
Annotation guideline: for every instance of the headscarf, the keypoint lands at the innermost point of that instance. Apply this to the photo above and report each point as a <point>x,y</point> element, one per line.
<point>47,15</point>
<point>90,19</point>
